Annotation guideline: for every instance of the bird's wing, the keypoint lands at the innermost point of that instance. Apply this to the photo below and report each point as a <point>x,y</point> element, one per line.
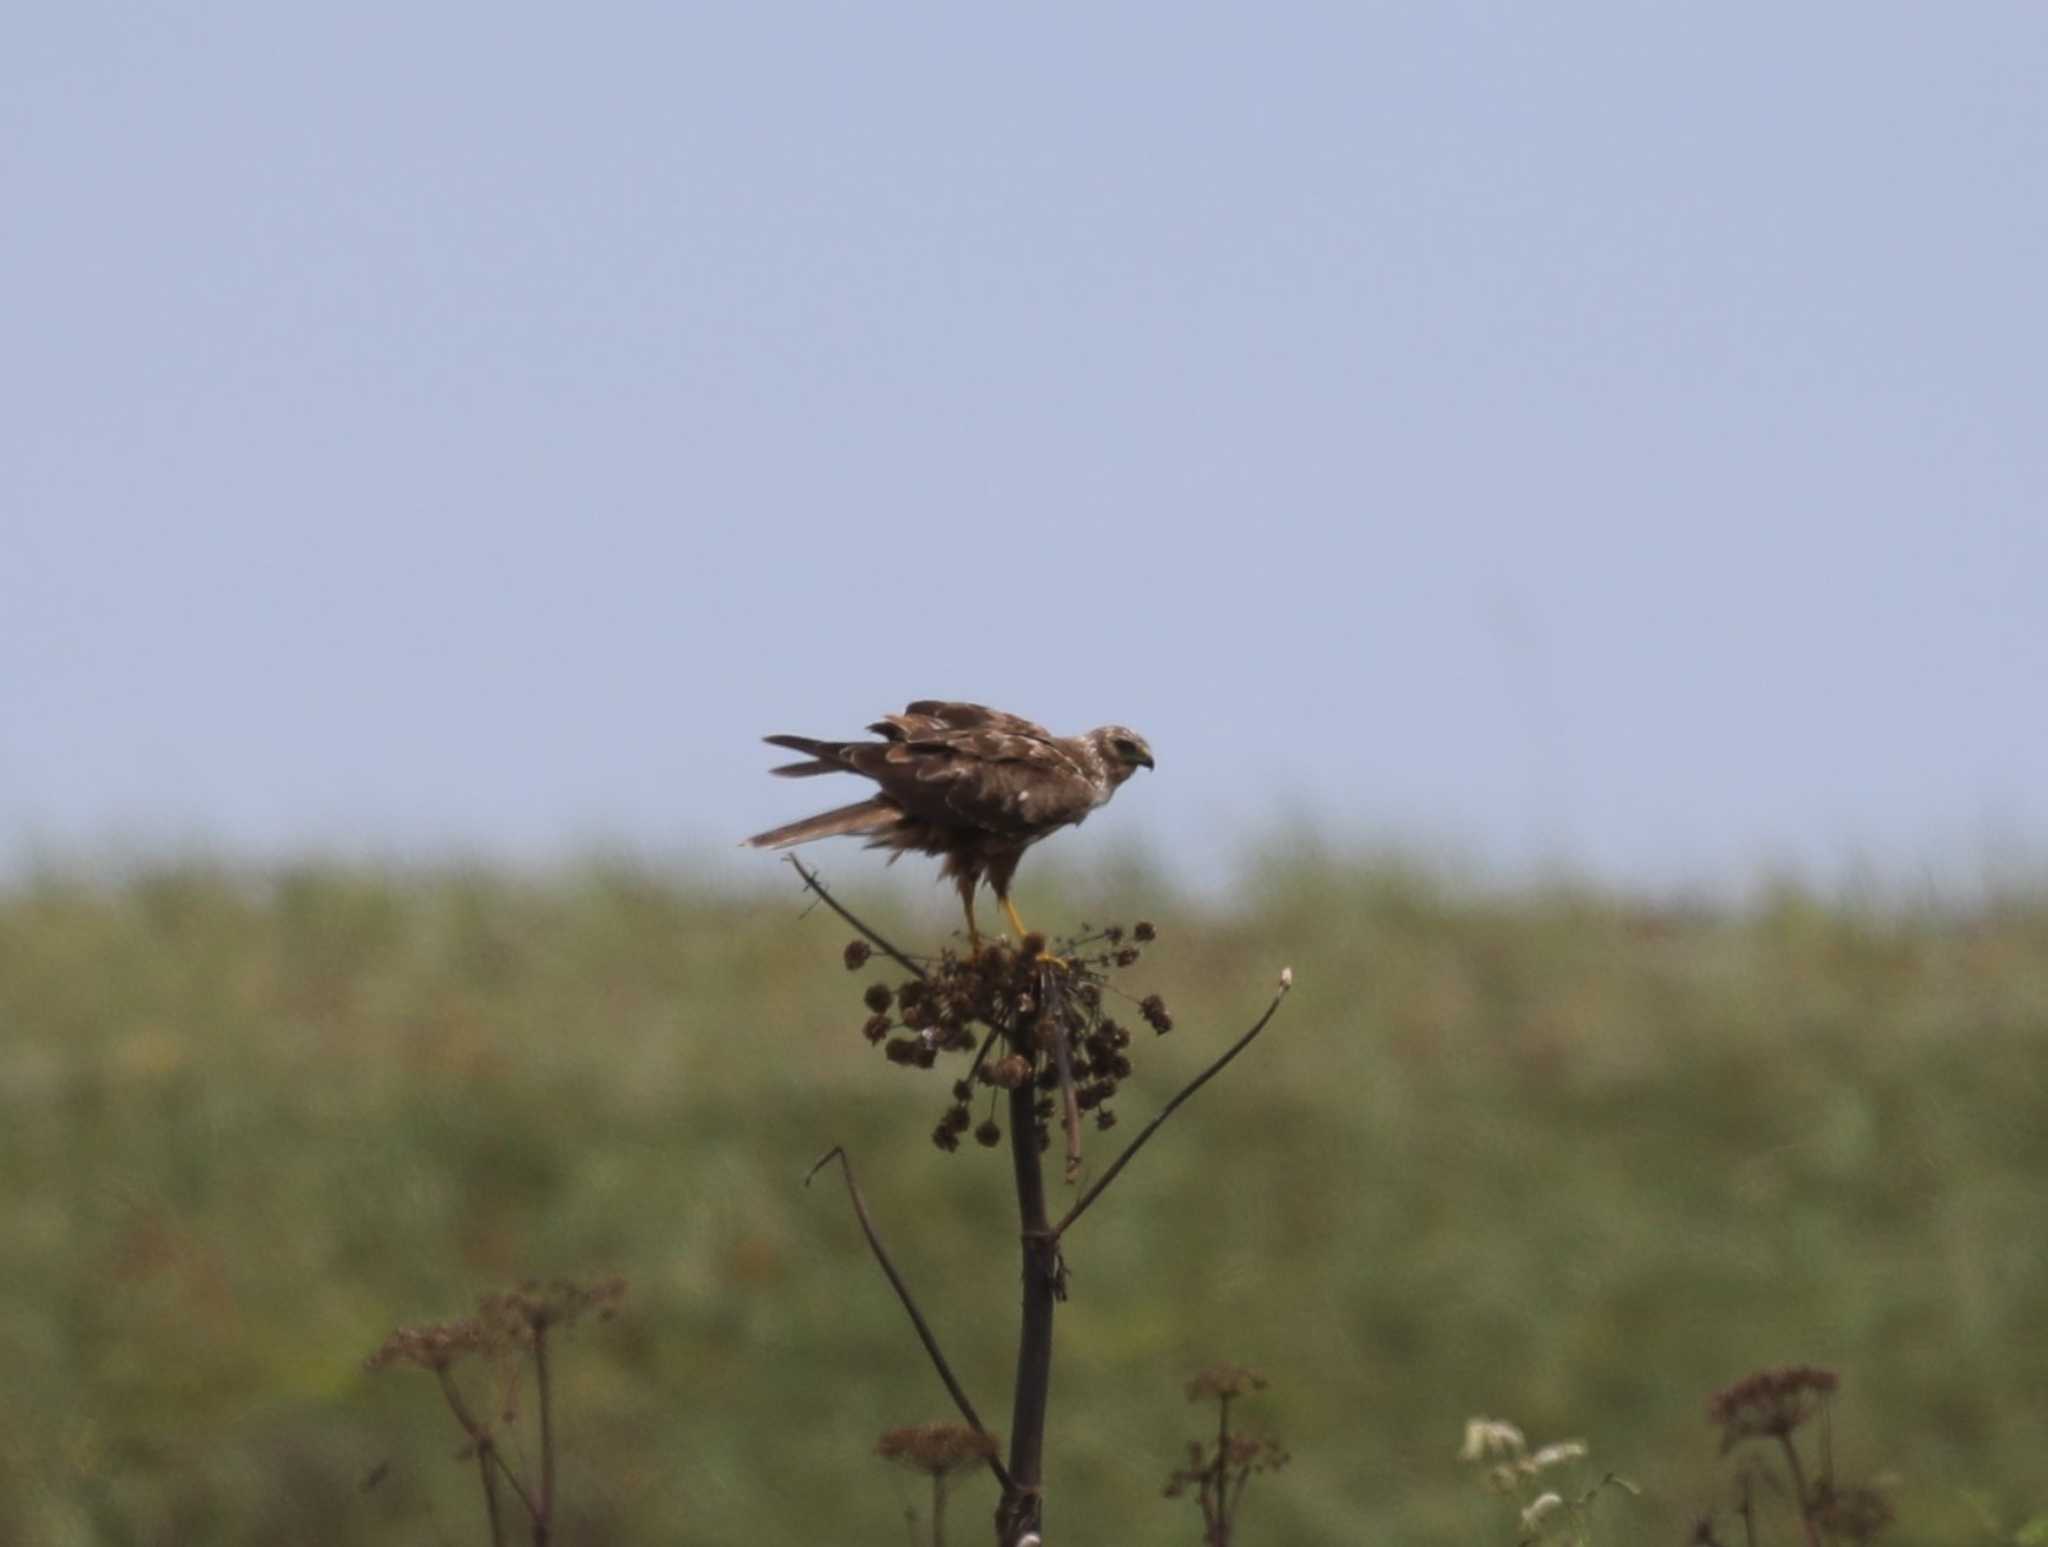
<point>935,717</point>
<point>1016,784</point>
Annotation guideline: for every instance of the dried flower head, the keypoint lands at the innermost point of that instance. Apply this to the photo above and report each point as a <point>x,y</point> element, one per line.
<point>434,1345</point>
<point>504,1320</point>
<point>1224,1380</point>
<point>857,954</point>
<point>1008,1072</point>
<point>1771,1403</point>
<point>1028,1014</point>
<point>936,1449</point>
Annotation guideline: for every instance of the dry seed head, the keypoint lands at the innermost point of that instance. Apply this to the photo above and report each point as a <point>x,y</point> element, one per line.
<point>1224,1380</point>
<point>1770,1403</point>
<point>936,1449</point>
<point>1008,1072</point>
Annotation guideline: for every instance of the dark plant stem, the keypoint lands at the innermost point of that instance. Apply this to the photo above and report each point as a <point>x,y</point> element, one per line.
<point>1799,1493</point>
<point>909,1302</point>
<point>483,1466</point>
<point>1219,1527</point>
<point>1022,1508</point>
<point>488,1454</point>
<point>1022,1504</point>
<point>543,1520</point>
<point>1095,1190</point>
<point>888,950</point>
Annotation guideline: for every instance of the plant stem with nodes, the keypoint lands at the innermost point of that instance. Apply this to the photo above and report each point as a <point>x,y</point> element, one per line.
<point>1033,1033</point>
<point>1043,1276</point>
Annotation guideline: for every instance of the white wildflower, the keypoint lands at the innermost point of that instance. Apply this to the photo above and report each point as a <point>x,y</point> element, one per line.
<point>1486,1437</point>
<point>1541,1509</point>
<point>1555,1455</point>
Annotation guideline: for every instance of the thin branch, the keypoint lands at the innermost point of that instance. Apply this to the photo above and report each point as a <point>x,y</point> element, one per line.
<point>483,1466</point>
<point>1095,1190</point>
<point>924,1331</point>
<point>1053,1013</point>
<point>1799,1493</point>
<point>480,1437</point>
<point>811,880</point>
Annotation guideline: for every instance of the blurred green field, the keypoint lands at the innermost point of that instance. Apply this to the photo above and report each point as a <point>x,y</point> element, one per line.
<point>1550,1155</point>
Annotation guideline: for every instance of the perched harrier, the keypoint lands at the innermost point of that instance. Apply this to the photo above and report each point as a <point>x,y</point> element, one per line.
<point>973,785</point>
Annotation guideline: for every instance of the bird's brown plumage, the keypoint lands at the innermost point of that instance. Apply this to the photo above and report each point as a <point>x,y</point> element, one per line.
<point>969,784</point>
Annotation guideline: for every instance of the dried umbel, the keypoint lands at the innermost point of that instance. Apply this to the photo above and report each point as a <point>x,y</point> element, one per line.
<point>435,1345</point>
<point>506,1320</point>
<point>936,1449</point>
<point>1023,1016</point>
<point>1770,1404</point>
<point>1219,1467</point>
<point>1224,1380</point>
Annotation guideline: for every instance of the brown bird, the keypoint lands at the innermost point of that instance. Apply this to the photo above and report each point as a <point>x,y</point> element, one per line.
<point>969,784</point>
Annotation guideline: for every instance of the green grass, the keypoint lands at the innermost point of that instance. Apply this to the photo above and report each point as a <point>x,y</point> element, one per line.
<point>1551,1156</point>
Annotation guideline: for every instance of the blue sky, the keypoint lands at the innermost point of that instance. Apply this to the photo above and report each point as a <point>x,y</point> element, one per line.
<point>1608,436</point>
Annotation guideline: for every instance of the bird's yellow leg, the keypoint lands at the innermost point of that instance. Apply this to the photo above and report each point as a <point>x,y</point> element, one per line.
<point>973,934</point>
<point>1016,923</point>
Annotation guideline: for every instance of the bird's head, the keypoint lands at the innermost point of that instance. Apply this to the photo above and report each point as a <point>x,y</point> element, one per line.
<point>1122,750</point>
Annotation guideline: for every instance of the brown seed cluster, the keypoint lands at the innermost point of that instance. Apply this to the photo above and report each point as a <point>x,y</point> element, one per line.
<point>1218,1468</point>
<point>1021,1014</point>
<point>1224,1380</point>
<point>936,1449</point>
<point>433,1345</point>
<point>505,1320</point>
<point>1770,1403</point>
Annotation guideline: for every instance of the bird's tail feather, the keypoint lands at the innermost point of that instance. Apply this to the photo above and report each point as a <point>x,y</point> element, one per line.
<point>862,817</point>
<point>821,757</point>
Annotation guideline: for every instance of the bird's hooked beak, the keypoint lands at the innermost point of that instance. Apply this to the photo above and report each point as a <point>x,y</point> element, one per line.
<point>1144,760</point>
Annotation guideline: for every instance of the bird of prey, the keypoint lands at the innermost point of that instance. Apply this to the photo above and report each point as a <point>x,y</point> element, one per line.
<point>971,785</point>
